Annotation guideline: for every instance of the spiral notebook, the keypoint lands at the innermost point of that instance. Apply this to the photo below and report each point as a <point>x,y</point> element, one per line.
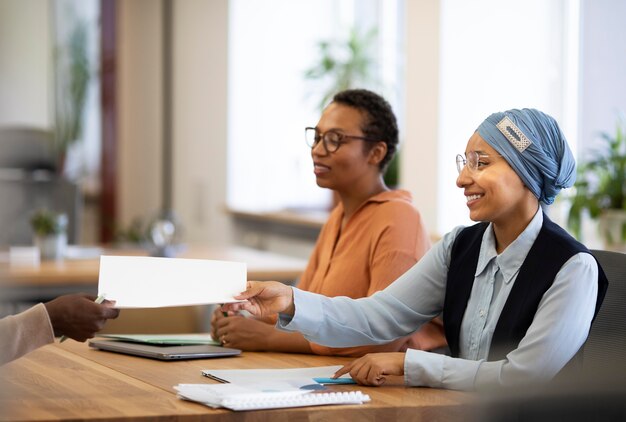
<point>237,397</point>
<point>260,401</point>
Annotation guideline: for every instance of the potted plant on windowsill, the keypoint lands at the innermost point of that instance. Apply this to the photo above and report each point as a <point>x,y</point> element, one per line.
<point>50,231</point>
<point>600,189</point>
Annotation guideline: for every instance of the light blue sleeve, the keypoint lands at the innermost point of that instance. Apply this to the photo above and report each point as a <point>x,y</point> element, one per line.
<point>560,328</point>
<point>414,298</point>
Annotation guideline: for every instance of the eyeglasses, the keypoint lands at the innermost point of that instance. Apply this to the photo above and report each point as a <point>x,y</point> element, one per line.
<point>332,140</point>
<point>472,162</point>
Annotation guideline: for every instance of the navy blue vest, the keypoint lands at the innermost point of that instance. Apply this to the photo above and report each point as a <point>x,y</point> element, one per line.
<point>552,248</point>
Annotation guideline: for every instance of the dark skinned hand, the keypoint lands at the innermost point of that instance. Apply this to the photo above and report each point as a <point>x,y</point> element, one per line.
<point>78,317</point>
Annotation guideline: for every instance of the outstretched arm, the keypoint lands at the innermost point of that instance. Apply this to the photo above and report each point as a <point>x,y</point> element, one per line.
<point>24,332</point>
<point>76,316</point>
<point>415,298</point>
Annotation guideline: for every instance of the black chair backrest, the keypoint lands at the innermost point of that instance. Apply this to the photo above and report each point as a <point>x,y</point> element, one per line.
<point>605,349</point>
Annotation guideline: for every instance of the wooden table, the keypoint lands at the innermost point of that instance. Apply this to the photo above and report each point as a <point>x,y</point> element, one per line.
<point>71,381</point>
<point>35,283</point>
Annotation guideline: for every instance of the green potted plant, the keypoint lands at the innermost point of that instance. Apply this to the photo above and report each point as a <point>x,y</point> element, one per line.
<point>344,64</point>
<point>600,189</point>
<point>50,230</point>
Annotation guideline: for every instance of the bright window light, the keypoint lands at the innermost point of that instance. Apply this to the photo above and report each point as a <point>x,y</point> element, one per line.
<point>271,45</point>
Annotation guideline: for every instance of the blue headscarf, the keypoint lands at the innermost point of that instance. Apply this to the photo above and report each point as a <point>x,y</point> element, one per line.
<point>533,145</point>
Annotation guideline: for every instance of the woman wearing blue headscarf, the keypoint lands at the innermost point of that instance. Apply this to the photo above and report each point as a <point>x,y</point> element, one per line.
<point>518,294</point>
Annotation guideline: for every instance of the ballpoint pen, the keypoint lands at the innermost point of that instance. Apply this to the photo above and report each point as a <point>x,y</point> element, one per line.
<point>99,299</point>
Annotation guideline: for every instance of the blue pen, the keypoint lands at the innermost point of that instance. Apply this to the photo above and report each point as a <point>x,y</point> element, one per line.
<point>334,380</point>
<point>99,299</point>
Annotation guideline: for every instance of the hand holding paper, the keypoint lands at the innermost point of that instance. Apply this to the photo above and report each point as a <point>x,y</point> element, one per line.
<point>147,282</point>
<point>263,298</point>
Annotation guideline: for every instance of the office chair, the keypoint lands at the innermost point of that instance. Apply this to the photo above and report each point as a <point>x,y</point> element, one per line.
<point>605,350</point>
<point>598,392</point>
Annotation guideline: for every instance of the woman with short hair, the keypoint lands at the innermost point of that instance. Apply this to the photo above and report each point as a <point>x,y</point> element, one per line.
<point>372,236</point>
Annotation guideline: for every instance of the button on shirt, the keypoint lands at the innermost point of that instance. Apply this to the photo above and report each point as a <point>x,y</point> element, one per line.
<point>558,331</point>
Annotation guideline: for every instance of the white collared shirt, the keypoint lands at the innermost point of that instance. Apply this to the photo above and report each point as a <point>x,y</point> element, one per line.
<point>558,331</point>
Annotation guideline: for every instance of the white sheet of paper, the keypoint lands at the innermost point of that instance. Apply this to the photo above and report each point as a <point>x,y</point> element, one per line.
<point>253,376</point>
<point>148,282</point>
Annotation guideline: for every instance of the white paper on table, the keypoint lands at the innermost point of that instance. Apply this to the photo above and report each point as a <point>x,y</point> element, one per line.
<point>254,376</point>
<point>148,282</point>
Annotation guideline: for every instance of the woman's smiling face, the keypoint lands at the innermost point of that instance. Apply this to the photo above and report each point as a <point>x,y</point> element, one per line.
<point>494,192</point>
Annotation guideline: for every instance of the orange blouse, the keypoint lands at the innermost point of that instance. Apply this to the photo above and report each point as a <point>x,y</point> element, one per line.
<point>381,241</point>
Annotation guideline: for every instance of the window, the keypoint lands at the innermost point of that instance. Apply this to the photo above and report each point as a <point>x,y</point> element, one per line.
<point>77,52</point>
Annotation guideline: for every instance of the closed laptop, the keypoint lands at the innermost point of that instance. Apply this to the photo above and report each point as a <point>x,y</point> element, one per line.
<point>197,351</point>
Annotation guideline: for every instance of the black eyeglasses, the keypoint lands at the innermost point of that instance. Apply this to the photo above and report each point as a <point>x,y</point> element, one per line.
<point>332,140</point>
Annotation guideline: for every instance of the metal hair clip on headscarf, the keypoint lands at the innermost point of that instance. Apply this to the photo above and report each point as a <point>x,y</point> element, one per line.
<point>533,145</point>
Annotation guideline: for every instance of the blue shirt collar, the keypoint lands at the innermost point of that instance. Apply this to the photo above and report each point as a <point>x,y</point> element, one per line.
<point>512,258</point>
